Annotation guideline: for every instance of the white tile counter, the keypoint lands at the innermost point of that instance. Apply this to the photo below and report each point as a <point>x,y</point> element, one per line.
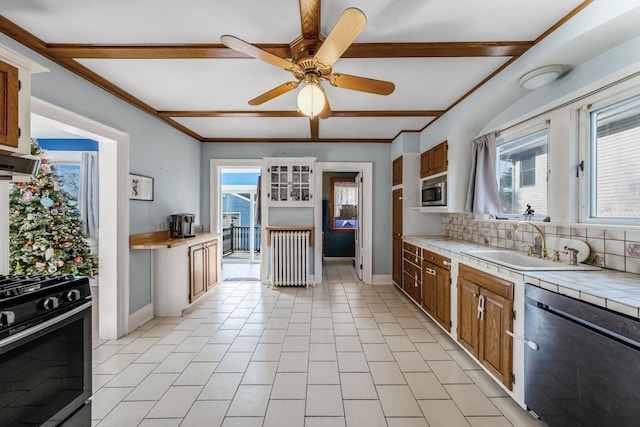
<point>617,291</point>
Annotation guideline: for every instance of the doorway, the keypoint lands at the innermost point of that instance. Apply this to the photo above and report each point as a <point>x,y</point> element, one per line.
<point>238,217</point>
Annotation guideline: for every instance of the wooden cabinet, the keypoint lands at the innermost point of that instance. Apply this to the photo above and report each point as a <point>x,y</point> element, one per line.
<point>396,172</point>
<point>203,268</point>
<point>9,87</point>
<point>396,229</point>
<point>436,287</point>
<point>485,313</point>
<point>434,161</point>
<point>290,182</point>
<point>412,271</point>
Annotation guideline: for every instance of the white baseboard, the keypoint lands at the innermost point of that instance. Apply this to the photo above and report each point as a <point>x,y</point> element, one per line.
<point>140,317</point>
<point>381,279</point>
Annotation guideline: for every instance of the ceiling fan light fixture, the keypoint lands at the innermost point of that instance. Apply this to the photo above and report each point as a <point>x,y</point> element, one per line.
<point>311,99</point>
<point>541,76</point>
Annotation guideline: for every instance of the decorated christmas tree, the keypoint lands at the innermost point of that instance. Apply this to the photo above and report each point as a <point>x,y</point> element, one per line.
<point>46,233</point>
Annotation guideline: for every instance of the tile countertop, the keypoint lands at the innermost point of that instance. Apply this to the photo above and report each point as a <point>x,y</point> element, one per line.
<point>615,290</point>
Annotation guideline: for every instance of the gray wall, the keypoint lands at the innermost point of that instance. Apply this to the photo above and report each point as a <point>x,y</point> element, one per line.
<point>156,150</point>
<point>377,154</point>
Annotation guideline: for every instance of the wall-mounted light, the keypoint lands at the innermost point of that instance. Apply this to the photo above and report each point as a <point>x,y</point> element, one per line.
<point>541,76</point>
<point>311,98</point>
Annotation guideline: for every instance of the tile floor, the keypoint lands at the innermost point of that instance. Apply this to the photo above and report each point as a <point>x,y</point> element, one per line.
<point>340,354</point>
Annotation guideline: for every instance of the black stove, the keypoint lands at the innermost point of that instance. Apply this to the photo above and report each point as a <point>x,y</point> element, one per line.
<point>28,300</point>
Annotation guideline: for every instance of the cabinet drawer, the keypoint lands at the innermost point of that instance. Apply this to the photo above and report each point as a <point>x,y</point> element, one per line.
<point>494,284</point>
<point>436,259</point>
<point>408,247</point>
<point>412,270</point>
<point>412,257</point>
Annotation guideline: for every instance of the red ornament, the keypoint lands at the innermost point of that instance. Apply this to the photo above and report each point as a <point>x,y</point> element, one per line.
<point>78,259</point>
<point>43,161</point>
<point>56,243</point>
<point>29,242</point>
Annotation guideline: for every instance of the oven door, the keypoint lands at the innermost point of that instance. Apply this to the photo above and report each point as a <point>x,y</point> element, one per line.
<point>45,371</point>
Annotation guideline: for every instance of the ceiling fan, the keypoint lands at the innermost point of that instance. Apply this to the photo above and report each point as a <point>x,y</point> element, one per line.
<point>313,59</point>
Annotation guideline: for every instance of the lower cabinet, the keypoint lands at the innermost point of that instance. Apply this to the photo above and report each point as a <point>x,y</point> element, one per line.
<point>203,268</point>
<point>412,271</point>
<point>485,313</point>
<point>436,287</point>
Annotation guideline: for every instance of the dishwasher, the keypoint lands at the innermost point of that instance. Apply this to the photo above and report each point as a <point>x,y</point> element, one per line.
<point>582,362</point>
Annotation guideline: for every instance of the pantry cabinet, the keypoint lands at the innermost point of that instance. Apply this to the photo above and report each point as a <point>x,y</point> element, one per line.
<point>485,313</point>
<point>396,220</point>
<point>203,268</point>
<point>436,287</point>
<point>396,171</point>
<point>290,182</point>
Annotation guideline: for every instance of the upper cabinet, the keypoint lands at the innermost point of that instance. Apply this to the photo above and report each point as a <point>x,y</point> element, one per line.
<point>434,160</point>
<point>290,181</point>
<point>9,87</point>
<point>396,173</point>
<point>15,101</point>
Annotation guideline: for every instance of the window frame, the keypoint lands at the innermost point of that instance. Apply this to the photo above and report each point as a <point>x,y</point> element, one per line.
<point>585,174</point>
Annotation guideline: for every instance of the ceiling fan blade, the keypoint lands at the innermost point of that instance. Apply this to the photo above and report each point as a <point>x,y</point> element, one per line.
<point>363,84</point>
<point>276,91</point>
<point>257,53</point>
<point>349,26</point>
<point>326,111</point>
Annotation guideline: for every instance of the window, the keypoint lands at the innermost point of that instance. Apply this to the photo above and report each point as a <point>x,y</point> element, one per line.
<point>614,148</point>
<point>522,172</point>
<point>344,204</point>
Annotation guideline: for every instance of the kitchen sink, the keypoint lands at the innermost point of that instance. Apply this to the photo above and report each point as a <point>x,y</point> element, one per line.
<point>520,261</point>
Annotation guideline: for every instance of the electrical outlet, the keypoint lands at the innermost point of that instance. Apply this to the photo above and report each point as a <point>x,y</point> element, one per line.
<point>160,226</point>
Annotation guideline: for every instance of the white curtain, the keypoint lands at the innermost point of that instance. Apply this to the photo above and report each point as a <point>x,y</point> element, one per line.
<point>88,193</point>
<point>483,196</point>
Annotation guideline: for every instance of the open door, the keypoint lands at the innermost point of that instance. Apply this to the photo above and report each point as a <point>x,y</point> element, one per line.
<point>358,233</point>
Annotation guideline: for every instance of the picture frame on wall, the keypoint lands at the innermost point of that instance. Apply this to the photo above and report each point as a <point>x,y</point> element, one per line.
<point>140,187</point>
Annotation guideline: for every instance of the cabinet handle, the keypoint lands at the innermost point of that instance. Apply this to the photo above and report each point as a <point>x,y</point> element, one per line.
<point>446,263</point>
<point>532,345</point>
<point>481,307</point>
<point>431,271</point>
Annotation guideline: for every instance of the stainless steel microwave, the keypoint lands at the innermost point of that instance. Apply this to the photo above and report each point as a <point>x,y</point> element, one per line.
<point>434,191</point>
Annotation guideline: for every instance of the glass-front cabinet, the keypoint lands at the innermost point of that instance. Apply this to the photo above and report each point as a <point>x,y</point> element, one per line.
<point>290,181</point>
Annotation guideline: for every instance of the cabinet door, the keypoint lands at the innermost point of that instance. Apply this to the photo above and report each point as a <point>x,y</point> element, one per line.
<point>468,322</point>
<point>396,227</point>
<point>495,345</point>
<point>428,288</point>
<point>439,158</point>
<point>396,173</point>
<point>397,261</point>
<point>197,271</point>
<point>212,263</point>
<point>425,164</point>
<point>8,105</point>
<point>442,286</point>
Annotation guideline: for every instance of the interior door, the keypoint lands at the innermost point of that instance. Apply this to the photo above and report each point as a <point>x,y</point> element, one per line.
<point>358,232</point>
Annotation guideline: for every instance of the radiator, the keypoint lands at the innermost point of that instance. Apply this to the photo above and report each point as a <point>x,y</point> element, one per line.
<point>290,258</point>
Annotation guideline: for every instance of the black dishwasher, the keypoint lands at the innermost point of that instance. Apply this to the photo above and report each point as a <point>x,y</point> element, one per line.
<point>586,368</point>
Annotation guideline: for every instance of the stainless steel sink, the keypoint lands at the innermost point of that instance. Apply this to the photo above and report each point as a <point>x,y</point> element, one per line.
<point>519,261</point>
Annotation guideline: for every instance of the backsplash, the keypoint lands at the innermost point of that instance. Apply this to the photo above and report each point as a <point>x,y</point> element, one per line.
<point>615,248</point>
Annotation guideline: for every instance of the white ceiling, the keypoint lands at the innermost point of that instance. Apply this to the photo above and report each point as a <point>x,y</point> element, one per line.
<point>222,85</point>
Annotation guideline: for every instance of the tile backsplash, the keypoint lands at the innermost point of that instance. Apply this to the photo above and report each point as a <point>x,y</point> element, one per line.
<point>612,247</point>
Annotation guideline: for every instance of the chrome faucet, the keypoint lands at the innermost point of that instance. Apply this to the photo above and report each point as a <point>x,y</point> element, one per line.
<point>543,249</point>
<point>573,255</point>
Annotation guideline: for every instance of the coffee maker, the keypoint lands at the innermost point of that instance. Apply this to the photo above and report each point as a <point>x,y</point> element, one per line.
<point>180,225</point>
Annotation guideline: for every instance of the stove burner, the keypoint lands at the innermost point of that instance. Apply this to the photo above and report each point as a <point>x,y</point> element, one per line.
<point>12,286</point>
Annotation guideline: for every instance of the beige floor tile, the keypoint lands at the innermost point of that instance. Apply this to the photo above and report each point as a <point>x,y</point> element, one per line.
<point>252,329</point>
<point>411,361</point>
<point>345,329</point>
<point>324,422</point>
<point>409,322</point>
<point>357,385</point>
<point>197,373</point>
<point>234,362</point>
<point>386,373</point>
<point>301,317</point>
<point>432,351</point>
<point>221,386</point>
<point>463,360</point>
<point>364,413</point>
<point>425,385</point>
<point>210,353</point>
<point>175,363</point>
<point>322,336</point>
<point>289,385</point>
<point>470,400</point>
<point>399,343</point>
<point>115,364</point>
<point>489,422</point>
<point>419,335</point>
<point>260,373</point>
<point>244,344</point>
<point>377,353</point>
<point>391,329</point>
<point>288,413</point>
<point>267,353</point>
<point>174,337</point>
<point>295,343</point>
<point>208,413</point>
<point>294,362</point>
<point>321,323</point>
<point>250,401</point>
<point>243,422</point>
<point>303,329</point>
<point>384,317</point>
<point>175,403</point>
<point>324,400</point>
<point>407,422</point>
<point>398,401</point>
<point>139,345</point>
<point>226,336</point>
<point>371,336</point>
<point>365,323</point>
<point>352,362</point>
<point>322,352</point>
<point>160,422</point>
<point>348,344</point>
<point>105,399</point>
<point>127,414</point>
<point>273,336</point>
<point>132,375</point>
<point>342,317</point>
<point>448,372</point>
<point>323,373</point>
<point>442,413</point>
<point>514,413</point>
<point>152,387</point>
<point>488,385</point>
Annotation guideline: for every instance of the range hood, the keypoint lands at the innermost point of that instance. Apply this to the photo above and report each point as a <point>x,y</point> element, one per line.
<point>21,167</point>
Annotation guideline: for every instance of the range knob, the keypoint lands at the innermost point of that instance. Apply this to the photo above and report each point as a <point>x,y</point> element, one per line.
<point>72,295</point>
<point>50,303</point>
<point>7,318</point>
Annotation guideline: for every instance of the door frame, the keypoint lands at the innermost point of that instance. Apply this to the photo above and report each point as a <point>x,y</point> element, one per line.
<point>366,169</point>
